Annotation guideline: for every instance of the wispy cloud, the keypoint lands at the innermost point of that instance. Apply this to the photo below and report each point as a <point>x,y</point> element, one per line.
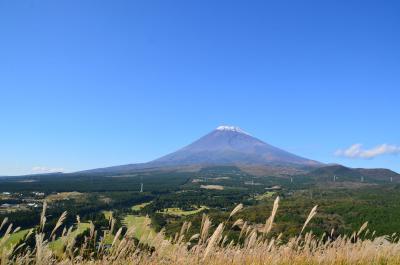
<point>42,169</point>
<point>357,151</point>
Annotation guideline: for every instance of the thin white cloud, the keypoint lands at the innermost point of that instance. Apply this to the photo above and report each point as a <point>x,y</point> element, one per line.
<point>42,169</point>
<point>357,151</point>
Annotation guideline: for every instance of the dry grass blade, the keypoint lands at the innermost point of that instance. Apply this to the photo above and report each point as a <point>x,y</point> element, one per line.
<point>362,228</point>
<point>116,236</point>
<point>205,229</point>
<point>312,213</point>
<point>238,222</point>
<point>59,222</point>
<point>236,210</point>
<point>183,228</point>
<point>6,235</point>
<point>243,230</point>
<point>213,239</point>
<point>270,220</point>
<point>195,236</point>
<point>112,224</point>
<point>43,216</point>
<point>4,222</point>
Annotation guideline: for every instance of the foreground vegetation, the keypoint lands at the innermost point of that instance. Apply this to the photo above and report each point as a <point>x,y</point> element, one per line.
<point>172,198</point>
<point>174,220</point>
<point>211,244</point>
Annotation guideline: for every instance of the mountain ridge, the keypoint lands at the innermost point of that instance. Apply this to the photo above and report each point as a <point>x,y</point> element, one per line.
<point>347,173</point>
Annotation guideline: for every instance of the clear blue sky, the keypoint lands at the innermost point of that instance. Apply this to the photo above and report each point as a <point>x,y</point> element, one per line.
<point>87,84</point>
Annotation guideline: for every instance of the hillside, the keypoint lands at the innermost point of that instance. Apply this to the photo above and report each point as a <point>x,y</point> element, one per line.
<point>345,173</point>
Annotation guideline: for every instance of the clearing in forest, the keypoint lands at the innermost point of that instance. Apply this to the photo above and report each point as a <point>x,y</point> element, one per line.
<point>143,230</point>
<point>138,207</point>
<point>212,187</point>
<point>15,238</point>
<point>58,245</point>
<point>180,212</point>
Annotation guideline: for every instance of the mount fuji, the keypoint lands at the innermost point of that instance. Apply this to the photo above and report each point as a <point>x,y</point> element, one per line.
<point>226,145</point>
<point>231,145</point>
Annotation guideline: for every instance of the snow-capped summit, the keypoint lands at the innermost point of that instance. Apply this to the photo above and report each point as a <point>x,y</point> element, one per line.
<point>231,128</point>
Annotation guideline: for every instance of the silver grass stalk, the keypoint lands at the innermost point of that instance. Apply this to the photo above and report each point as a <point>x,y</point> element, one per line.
<point>362,228</point>
<point>236,210</point>
<point>238,222</point>
<point>213,239</point>
<point>270,220</point>
<point>4,222</point>
<point>43,216</point>
<point>312,213</point>
<point>59,222</point>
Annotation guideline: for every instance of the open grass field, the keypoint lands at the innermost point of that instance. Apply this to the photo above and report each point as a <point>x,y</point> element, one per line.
<point>13,209</point>
<point>58,245</point>
<point>138,207</point>
<point>143,230</point>
<point>107,214</point>
<point>179,212</point>
<point>265,195</point>
<point>65,196</point>
<point>212,187</point>
<point>15,238</point>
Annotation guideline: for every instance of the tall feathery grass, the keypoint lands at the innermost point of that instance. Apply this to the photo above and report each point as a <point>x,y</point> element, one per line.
<point>211,245</point>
